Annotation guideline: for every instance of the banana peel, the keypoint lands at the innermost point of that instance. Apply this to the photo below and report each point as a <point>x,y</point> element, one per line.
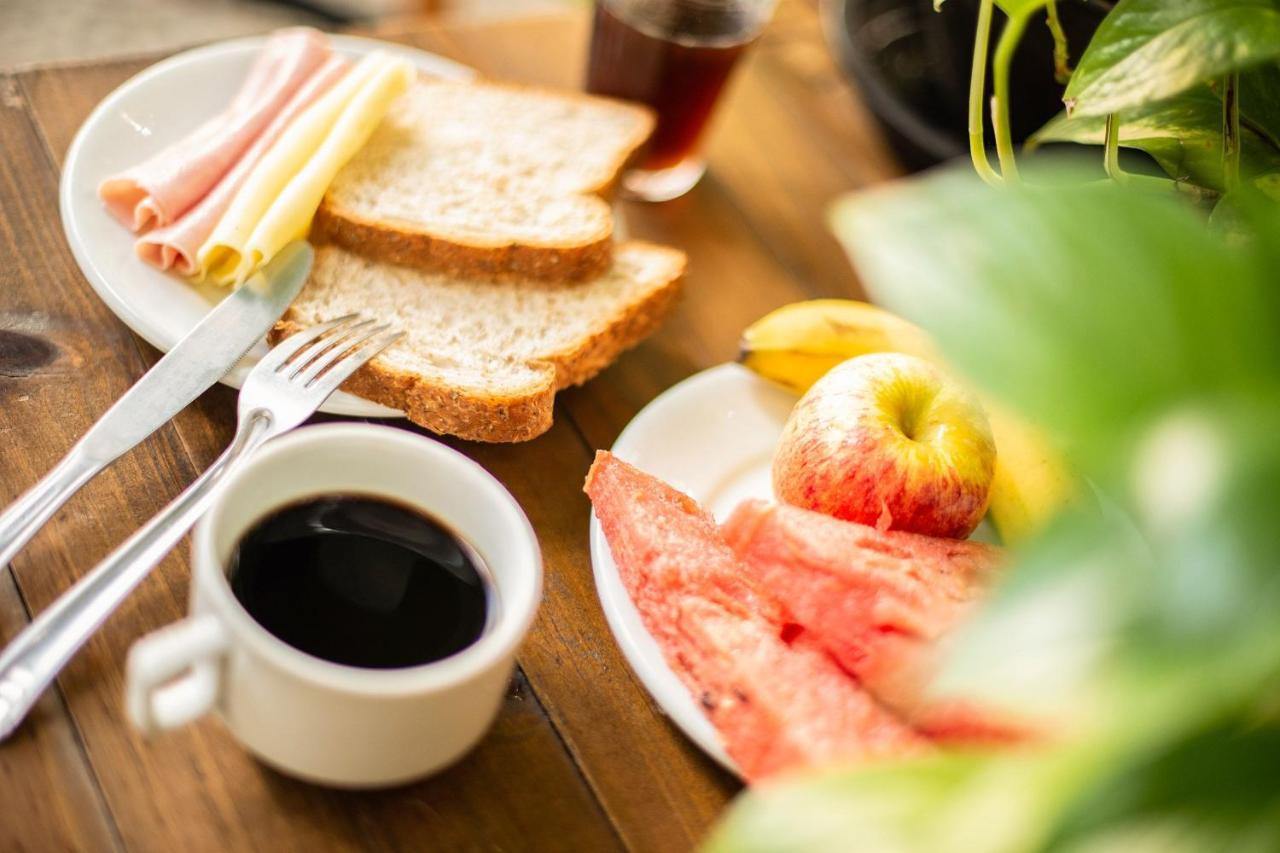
<point>797,344</point>
<point>1031,482</point>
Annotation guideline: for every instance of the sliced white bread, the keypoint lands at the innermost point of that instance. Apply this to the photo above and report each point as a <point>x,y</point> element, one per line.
<point>482,358</point>
<point>488,178</point>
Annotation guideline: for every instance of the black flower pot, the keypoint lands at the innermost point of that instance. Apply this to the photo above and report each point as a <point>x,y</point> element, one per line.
<point>912,65</point>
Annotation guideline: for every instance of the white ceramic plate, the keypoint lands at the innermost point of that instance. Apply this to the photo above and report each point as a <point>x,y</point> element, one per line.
<point>711,436</point>
<point>148,112</point>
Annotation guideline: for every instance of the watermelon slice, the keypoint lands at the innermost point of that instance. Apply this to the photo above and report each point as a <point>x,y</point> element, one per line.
<point>879,601</point>
<point>778,704</point>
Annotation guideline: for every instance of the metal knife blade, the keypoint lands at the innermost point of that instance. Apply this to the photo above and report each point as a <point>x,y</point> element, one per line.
<point>204,356</point>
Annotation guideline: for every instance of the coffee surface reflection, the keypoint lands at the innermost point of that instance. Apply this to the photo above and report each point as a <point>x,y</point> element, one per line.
<point>362,581</point>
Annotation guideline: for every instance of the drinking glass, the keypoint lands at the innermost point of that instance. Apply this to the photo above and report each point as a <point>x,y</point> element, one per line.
<point>675,56</point>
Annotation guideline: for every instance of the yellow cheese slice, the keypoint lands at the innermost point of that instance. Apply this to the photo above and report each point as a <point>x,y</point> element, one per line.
<point>220,254</point>
<point>281,194</point>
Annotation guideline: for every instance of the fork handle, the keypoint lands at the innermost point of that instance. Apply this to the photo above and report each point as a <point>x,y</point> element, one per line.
<point>38,653</point>
<point>20,521</point>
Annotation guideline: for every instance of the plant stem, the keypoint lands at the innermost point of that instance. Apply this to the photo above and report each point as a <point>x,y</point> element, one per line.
<point>1009,38</point>
<point>1112,148</point>
<point>1061,55</point>
<point>1231,132</point>
<point>977,86</point>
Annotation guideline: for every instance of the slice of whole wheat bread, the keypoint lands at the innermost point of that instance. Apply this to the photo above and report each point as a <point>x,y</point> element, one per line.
<point>487,178</point>
<point>482,358</point>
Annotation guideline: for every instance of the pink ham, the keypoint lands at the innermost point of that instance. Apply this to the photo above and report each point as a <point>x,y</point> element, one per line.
<point>879,601</point>
<point>159,190</point>
<point>779,702</point>
<point>175,245</point>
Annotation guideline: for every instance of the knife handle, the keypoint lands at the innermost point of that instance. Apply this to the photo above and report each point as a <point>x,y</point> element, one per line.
<point>37,505</point>
<point>33,658</point>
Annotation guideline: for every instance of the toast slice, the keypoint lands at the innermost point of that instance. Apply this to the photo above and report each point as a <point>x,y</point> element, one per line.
<point>482,358</point>
<point>486,178</point>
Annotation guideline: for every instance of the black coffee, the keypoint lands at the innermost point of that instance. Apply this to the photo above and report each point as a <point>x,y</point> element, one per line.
<point>361,581</point>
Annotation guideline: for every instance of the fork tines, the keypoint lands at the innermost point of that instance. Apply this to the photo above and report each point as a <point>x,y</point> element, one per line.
<point>341,344</point>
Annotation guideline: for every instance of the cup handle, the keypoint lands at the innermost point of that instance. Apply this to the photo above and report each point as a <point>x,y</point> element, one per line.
<point>173,675</point>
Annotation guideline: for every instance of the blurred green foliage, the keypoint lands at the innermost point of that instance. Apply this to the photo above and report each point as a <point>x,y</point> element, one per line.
<point>1147,622</point>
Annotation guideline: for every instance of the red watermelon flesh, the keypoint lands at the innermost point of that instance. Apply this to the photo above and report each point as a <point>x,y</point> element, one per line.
<point>879,601</point>
<point>777,704</point>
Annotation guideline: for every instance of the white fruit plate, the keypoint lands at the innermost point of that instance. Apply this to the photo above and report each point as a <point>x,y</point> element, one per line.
<point>711,436</point>
<point>146,113</point>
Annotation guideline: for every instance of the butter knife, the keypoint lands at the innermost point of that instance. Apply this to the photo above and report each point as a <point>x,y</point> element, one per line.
<point>204,356</point>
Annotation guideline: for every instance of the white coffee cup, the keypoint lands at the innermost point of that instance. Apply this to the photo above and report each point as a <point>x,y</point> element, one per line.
<point>321,721</point>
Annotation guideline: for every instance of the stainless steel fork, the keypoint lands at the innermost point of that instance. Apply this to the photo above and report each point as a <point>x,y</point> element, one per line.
<point>281,392</point>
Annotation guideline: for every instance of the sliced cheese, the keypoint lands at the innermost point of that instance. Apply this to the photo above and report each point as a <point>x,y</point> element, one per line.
<point>281,194</point>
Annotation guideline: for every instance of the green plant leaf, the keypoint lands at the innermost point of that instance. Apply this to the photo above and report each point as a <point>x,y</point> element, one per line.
<point>944,804</point>
<point>1260,102</point>
<point>1209,790</point>
<point>1147,50</point>
<point>1166,603</point>
<point>1227,215</point>
<point>1183,134</point>
<point>1081,304</point>
<point>1147,343</point>
<point>1107,313</point>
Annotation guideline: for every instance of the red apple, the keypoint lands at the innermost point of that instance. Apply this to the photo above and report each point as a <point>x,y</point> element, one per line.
<point>892,441</point>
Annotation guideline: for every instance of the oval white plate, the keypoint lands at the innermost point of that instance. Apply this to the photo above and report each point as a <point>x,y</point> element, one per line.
<point>146,113</point>
<point>712,437</point>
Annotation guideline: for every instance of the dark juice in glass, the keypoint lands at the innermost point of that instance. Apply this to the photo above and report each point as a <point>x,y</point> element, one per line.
<point>675,56</point>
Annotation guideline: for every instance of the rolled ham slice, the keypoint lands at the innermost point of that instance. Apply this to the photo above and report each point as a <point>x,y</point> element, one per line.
<point>161,189</point>
<point>279,198</point>
<point>175,245</point>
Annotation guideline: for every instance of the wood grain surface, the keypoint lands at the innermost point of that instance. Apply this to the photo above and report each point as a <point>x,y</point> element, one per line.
<point>580,758</point>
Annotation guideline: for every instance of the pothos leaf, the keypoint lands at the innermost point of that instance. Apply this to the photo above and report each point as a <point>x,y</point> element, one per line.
<point>1227,216</point>
<point>1269,185</point>
<point>1183,134</point>
<point>1086,292</point>
<point>1081,305</point>
<point>1147,50</point>
<point>1210,790</point>
<point>947,803</point>
<point>1260,101</point>
<point>1147,342</point>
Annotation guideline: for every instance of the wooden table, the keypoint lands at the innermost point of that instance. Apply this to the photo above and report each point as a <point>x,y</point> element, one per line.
<point>580,758</point>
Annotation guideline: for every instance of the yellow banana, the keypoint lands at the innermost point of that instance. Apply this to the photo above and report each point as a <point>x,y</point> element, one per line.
<point>1031,481</point>
<point>798,343</point>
